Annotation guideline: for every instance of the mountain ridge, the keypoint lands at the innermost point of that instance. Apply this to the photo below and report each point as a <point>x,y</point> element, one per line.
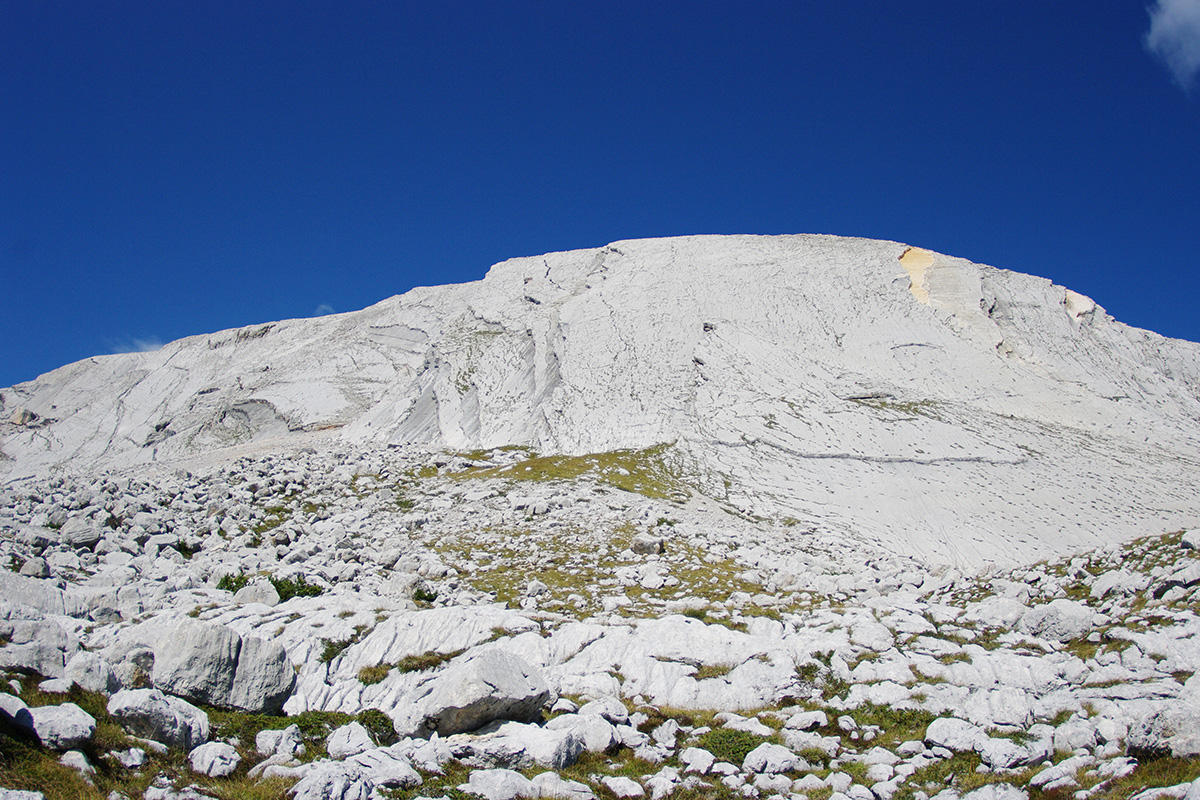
<point>901,396</point>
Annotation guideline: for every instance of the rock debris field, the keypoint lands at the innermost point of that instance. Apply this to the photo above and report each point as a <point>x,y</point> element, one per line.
<point>407,622</point>
<point>709,517</point>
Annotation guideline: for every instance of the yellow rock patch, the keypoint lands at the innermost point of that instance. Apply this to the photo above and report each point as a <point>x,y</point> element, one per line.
<point>916,263</point>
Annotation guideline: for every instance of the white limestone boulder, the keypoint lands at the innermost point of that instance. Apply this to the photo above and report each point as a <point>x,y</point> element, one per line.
<point>771,759</point>
<point>62,727</point>
<point>623,787</point>
<point>516,745</point>
<point>333,780</point>
<point>214,759</point>
<point>348,740</point>
<point>955,734</point>
<point>257,592</point>
<point>1173,729</point>
<point>153,715</point>
<point>555,787</point>
<point>212,664</point>
<point>597,734</point>
<point>493,685</point>
<point>80,532</point>
<point>93,673</point>
<point>498,784</point>
<point>1060,620</point>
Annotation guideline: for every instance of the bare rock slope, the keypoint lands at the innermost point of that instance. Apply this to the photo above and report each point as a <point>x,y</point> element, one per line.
<point>914,402</point>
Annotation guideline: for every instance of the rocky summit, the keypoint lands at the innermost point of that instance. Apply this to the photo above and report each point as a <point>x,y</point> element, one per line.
<point>796,517</point>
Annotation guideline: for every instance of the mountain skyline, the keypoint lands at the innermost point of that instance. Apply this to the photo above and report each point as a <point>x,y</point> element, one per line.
<point>172,170</point>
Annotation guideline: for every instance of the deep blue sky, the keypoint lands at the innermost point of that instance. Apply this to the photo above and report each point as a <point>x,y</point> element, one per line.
<point>171,168</point>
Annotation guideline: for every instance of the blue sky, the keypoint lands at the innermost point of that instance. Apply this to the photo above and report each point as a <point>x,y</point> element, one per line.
<point>172,168</point>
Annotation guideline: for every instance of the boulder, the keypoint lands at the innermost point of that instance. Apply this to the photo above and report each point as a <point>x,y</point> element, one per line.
<point>333,780</point>
<point>517,745</point>
<point>696,759</point>
<point>80,532</point>
<point>212,664</point>
<point>1061,620</point>
<point>997,791</point>
<point>771,759</point>
<point>258,592</point>
<point>272,742</point>
<point>610,708</point>
<point>955,734</point>
<point>92,673</point>
<point>214,759</point>
<point>498,784</point>
<point>1173,730</point>
<point>63,727</point>
<point>35,643</point>
<point>348,740</point>
<point>552,785</point>
<point>597,734</point>
<point>35,568</point>
<point>385,767</point>
<point>153,715</point>
<point>623,787</point>
<point>494,685</point>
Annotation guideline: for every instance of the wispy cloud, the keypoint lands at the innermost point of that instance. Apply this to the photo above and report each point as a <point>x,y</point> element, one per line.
<point>322,310</point>
<point>1174,37</point>
<point>135,345</point>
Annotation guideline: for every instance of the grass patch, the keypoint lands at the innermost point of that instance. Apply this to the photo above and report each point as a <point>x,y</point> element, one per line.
<point>730,745</point>
<point>371,675</point>
<point>707,671</point>
<point>649,472</point>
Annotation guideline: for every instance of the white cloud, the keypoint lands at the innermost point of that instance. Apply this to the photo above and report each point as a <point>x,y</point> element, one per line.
<point>322,310</point>
<point>136,345</point>
<point>1174,36</point>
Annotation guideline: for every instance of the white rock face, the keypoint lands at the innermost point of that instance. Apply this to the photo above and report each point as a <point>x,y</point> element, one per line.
<point>814,377</point>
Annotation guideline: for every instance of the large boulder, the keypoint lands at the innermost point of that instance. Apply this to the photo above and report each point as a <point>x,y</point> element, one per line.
<point>153,715</point>
<point>494,685</point>
<point>517,745</point>
<point>63,727</point>
<point>955,734</point>
<point>1172,730</point>
<point>212,664</point>
<point>92,673</point>
<point>35,643</point>
<point>80,532</point>
<point>1061,620</point>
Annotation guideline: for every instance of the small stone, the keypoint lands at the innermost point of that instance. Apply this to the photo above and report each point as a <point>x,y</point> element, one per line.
<point>647,545</point>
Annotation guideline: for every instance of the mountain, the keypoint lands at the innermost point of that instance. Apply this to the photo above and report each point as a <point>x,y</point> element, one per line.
<point>908,401</point>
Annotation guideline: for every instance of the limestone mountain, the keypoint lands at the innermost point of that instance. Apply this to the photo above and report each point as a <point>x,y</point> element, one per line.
<point>904,399</point>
